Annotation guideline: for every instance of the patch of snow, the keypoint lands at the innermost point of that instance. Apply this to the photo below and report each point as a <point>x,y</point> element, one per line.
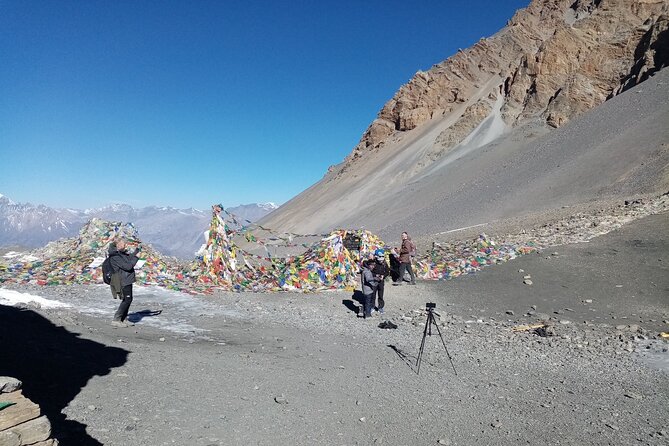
<point>22,256</point>
<point>12,298</point>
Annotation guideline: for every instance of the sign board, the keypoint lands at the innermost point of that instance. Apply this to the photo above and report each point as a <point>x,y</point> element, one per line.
<point>352,242</point>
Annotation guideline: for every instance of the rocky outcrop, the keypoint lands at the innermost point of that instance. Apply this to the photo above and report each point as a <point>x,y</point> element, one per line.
<point>554,60</point>
<point>473,116</point>
<point>499,129</point>
<point>20,420</point>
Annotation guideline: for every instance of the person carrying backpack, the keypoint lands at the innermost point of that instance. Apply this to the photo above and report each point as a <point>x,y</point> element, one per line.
<point>123,265</point>
<point>381,271</point>
<point>369,284</point>
<point>407,251</point>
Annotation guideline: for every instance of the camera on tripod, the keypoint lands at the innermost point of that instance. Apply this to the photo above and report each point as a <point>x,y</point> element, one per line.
<point>429,309</point>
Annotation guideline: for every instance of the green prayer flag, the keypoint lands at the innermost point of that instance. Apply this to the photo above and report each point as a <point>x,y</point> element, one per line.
<point>5,404</point>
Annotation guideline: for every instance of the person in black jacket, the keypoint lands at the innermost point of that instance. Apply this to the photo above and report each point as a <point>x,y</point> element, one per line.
<point>369,284</point>
<point>124,264</point>
<point>381,271</point>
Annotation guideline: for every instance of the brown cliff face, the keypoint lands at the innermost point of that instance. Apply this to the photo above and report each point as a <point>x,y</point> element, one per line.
<point>554,60</point>
<point>499,129</point>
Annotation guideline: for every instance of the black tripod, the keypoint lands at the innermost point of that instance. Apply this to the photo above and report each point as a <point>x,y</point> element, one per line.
<point>429,307</point>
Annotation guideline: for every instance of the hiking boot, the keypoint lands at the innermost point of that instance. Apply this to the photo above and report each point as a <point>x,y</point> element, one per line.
<point>119,324</point>
<point>382,311</point>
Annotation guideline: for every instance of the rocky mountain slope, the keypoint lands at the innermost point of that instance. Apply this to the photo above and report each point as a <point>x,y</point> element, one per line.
<point>496,103</point>
<point>176,232</point>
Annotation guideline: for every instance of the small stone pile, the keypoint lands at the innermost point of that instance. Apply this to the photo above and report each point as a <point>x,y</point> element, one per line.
<point>454,259</point>
<point>328,264</point>
<point>331,263</point>
<point>583,226</point>
<point>20,420</point>
<point>78,259</point>
<point>223,264</point>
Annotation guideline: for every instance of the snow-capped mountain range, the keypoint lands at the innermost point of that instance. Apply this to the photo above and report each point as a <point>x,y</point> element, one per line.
<point>176,232</point>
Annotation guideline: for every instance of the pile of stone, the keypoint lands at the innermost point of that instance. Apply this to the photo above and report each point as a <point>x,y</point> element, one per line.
<point>583,226</point>
<point>77,259</point>
<point>20,420</point>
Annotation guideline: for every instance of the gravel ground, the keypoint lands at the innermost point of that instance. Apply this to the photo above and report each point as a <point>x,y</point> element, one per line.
<point>304,369</point>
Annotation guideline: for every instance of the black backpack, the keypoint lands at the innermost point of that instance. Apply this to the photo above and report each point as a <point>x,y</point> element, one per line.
<point>107,270</point>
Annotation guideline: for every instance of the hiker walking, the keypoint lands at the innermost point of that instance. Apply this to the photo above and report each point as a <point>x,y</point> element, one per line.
<point>407,251</point>
<point>369,285</point>
<point>123,264</point>
<point>381,271</point>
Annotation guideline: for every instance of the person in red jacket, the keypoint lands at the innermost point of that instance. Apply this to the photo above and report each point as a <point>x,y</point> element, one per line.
<point>407,250</point>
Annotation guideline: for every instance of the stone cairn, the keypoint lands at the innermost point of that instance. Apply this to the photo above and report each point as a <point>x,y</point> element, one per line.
<point>20,420</point>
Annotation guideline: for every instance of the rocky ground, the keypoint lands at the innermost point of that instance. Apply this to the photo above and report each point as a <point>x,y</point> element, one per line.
<point>304,369</point>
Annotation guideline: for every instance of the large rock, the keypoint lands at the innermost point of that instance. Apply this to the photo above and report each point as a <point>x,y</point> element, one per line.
<point>23,410</point>
<point>9,384</point>
<point>21,423</point>
<point>49,442</point>
<point>491,133</point>
<point>9,438</point>
<point>555,59</point>
<point>32,431</point>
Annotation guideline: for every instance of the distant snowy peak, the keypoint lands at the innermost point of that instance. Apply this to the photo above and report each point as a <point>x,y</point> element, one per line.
<point>116,207</point>
<point>172,231</point>
<point>6,200</point>
<point>253,211</point>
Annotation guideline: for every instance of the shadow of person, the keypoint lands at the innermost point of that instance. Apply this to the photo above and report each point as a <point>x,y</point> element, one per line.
<point>139,315</point>
<point>358,296</point>
<point>350,304</point>
<point>54,365</point>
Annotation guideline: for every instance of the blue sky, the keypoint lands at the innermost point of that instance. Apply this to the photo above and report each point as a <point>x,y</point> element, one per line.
<point>190,103</point>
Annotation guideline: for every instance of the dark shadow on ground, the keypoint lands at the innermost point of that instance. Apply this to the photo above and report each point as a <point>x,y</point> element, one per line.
<point>139,315</point>
<point>350,303</point>
<point>406,358</point>
<point>54,365</point>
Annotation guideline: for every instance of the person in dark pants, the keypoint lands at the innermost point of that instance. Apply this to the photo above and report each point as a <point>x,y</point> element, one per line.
<point>123,264</point>
<point>369,284</point>
<point>394,258</point>
<point>407,250</point>
<point>381,271</point>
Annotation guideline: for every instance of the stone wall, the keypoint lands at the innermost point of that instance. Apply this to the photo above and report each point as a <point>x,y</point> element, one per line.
<point>21,422</point>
